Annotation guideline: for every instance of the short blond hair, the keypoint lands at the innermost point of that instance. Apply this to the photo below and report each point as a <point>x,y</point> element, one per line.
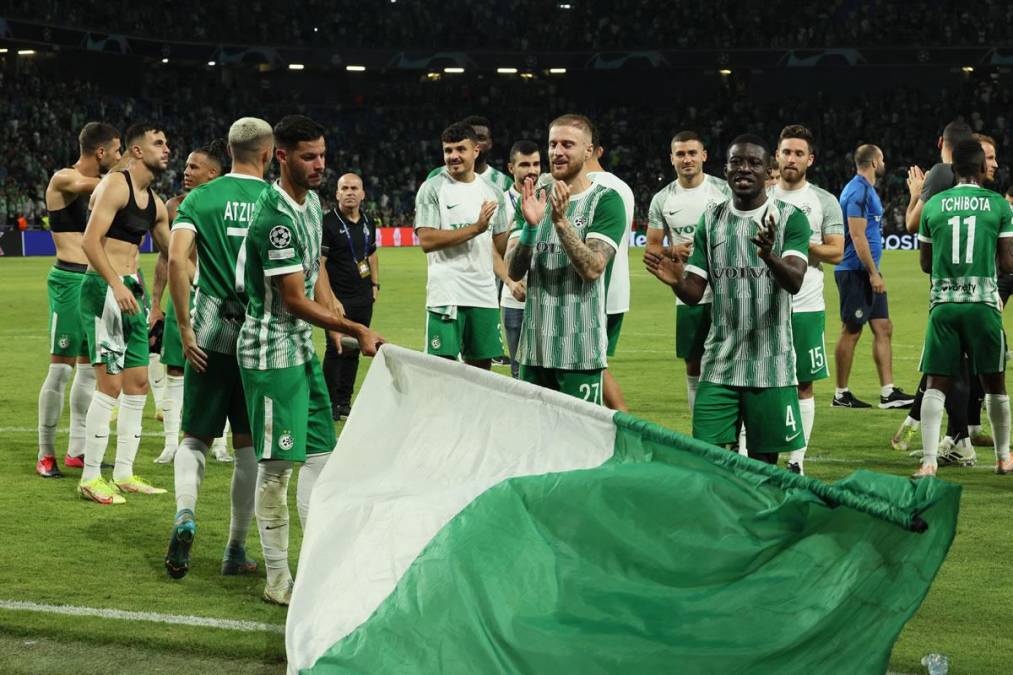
<point>581,122</point>
<point>247,137</point>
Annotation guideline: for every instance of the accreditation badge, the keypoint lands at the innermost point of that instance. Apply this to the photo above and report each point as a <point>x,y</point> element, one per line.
<point>363,269</point>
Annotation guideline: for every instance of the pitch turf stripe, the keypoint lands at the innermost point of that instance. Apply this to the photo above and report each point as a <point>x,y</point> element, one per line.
<point>153,617</point>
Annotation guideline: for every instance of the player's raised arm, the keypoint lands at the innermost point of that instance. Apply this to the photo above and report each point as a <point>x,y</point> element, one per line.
<point>110,196</point>
<point>532,212</point>
<point>789,267</point>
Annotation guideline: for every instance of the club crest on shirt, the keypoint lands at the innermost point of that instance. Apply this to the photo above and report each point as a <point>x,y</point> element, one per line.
<point>286,442</point>
<point>279,236</point>
<point>435,342</point>
<point>579,221</point>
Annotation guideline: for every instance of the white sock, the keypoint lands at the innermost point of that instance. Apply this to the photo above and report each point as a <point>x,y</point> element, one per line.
<point>96,434</point>
<point>51,406</point>
<point>128,434</point>
<point>172,410</point>
<point>933,405</point>
<point>807,408</point>
<point>692,383</point>
<point>80,398</point>
<point>189,472</point>
<point>840,391</point>
<point>272,518</point>
<point>972,429</point>
<point>997,406</point>
<point>244,491</point>
<point>308,475</point>
<point>743,450</point>
<point>156,379</point>
<point>886,390</point>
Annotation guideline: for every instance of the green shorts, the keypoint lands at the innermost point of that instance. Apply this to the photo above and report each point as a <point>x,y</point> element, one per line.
<point>613,327</point>
<point>172,344</point>
<point>771,415</point>
<point>117,340</point>
<point>808,329</point>
<point>963,328</point>
<point>583,384</point>
<point>66,332</point>
<point>214,395</point>
<point>474,333</point>
<point>692,323</point>
<point>290,411</point>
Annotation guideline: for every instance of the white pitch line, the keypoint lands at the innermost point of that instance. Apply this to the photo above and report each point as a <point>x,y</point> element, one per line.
<point>63,430</point>
<point>154,617</point>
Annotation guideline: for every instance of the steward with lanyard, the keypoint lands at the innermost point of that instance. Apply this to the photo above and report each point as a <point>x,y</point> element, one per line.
<point>349,240</point>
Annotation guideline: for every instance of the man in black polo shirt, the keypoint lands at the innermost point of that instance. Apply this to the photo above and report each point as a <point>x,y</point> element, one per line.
<point>349,238</point>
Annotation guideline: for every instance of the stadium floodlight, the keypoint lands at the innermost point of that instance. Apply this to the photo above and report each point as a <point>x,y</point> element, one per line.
<point>433,76</point>
<point>3,50</point>
<point>725,72</point>
<point>26,52</point>
<point>211,63</point>
<point>165,59</point>
<point>506,71</point>
<point>565,5</point>
<point>355,69</point>
<point>968,69</point>
<point>557,71</point>
<point>453,70</point>
<point>528,76</point>
<point>296,66</point>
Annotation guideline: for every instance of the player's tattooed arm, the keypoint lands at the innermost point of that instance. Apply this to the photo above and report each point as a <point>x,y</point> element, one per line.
<point>589,258</point>
<point>518,259</point>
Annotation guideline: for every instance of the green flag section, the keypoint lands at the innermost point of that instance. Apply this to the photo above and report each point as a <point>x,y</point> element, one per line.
<point>468,523</point>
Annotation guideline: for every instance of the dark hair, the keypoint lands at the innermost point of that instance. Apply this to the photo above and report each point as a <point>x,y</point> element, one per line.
<point>94,135</point>
<point>477,121</point>
<point>968,158</point>
<point>750,139</point>
<point>217,152</point>
<point>1009,190</point>
<point>457,132</point>
<point>800,132</point>
<point>865,155</point>
<point>135,132</point>
<point>955,132</point>
<point>523,147</point>
<point>292,130</point>
<point>685,136</point>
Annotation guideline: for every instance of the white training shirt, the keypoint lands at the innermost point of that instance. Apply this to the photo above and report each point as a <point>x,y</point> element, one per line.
<point>676,210</point>
<point>461,275</point>
<point>617,301</point>
<point>825,217</point>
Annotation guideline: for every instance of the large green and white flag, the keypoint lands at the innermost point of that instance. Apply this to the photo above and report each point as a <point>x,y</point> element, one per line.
<point>468,523</point>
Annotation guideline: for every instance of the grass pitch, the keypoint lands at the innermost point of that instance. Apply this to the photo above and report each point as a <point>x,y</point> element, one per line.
<point>56,549</point>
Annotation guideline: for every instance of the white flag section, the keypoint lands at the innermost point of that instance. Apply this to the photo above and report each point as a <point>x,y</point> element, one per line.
<point>425,438</point>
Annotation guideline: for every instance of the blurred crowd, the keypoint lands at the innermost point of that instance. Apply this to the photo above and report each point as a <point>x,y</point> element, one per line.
<point>541,24</point>
<point>391,136</point>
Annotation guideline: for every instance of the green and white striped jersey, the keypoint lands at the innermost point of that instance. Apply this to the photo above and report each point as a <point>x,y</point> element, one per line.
<point>497,178</point>
<point>564,315</point>
<point>964,225</point>
<point>823,212</point>
<point>284,238</point>
<point>676,210</point>
<point>219,213</point>
<point>750,340</point>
